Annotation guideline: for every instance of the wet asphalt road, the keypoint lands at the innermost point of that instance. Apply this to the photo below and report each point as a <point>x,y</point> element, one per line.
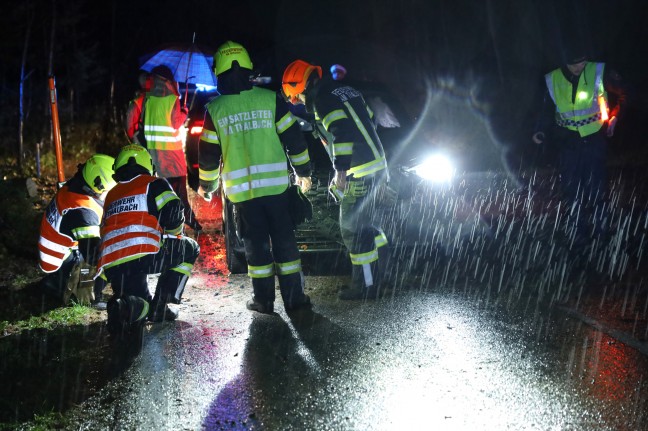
<point>429,356</point>
<point>420,358</point>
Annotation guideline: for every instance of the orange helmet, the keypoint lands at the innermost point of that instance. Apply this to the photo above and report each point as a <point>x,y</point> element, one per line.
<point>295,78</point>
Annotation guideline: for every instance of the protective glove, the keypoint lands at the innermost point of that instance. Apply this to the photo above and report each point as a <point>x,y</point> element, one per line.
<point>207,196</point>
<point>340,180</point>
<point>338,186</point>
<point>304,183</point>
<point>611,126</point>
<point>336,193</point>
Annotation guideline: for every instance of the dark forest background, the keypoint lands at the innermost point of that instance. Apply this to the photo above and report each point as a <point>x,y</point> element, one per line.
<point>495,51</point>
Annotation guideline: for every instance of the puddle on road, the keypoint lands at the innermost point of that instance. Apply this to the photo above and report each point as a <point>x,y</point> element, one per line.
<point>45,371</point>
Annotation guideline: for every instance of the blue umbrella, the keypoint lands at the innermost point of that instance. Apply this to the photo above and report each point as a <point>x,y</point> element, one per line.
<point>189,63</point>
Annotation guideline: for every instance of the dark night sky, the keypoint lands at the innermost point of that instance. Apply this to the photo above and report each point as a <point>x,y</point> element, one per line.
<point>378,39</point>
<point>503,47</point>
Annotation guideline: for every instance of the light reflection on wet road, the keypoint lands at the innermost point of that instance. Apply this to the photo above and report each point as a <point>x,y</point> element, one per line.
<point>415,360</point>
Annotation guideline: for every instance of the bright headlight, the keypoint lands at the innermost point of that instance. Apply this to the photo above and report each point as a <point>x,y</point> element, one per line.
<point>436,168</point>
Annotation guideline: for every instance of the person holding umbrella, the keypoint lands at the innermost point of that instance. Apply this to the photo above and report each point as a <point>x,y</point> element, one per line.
<point>162,116</point>
<point>133,122</point>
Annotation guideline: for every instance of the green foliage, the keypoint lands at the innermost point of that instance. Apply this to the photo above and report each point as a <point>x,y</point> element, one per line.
<point>45,422</point>
<point>48,421</point>
<point>64,316</point>
<point>19,219</point>
<point>48,163</point>
<point>21,280</point>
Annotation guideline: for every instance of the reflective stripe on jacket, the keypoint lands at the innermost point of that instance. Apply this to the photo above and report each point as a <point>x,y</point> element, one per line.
<point>582,113</point>
<point>254,159</point>
<point>53,246</point>
<point>355,146</point>
<point>162,139</point>
<point>128,230</point>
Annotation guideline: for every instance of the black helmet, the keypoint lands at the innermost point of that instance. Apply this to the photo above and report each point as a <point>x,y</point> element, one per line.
<point>575,51</point>
<point>163,72</point>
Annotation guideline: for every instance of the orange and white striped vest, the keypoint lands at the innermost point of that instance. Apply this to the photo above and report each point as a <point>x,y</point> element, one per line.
<point>128,230</point>
<point>53,246</point>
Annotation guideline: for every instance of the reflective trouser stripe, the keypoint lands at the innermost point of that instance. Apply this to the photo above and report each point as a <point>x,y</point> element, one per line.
<point>286,268</point>
<point>364,258</point>
<point>366,273</point>
<point>184,268</point>
<point>144,313</point>
<point>380,239</point>
<point>261,271</point>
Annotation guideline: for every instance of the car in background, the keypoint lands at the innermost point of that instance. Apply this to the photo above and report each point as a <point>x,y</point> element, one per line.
<point>197,100</point>
<point>318,239</point>
<point>435,208</point>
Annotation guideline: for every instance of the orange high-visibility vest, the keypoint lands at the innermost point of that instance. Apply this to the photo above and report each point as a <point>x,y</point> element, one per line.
<point>128,231</point>
<point>53,246</point>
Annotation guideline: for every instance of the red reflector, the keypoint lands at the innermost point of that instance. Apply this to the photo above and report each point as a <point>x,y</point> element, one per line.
<point>195,130</point>
<point>604,108</point>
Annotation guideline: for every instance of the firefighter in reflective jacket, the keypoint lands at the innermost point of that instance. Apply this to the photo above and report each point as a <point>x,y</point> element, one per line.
<point>142,233</point>
<point>250,129</point>
<point>160,114</point>
<point>69,233</point>
<point>582,122</point>
<point>360,168</point>
<point>134,120</point>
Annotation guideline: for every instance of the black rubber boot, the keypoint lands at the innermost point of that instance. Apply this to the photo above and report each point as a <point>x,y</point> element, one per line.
<point>160,311</point>
<point>304,304</point>
<point>264,295</point>
<point>126,319</point>
<point>292,292</point>
<point>260,306</point>
<point>124,312</point>
<point>171,285</point>
<point>116,316</point>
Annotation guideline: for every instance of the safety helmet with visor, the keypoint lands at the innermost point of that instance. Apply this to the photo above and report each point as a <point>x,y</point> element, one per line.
<point>295,79</point>
<point>227,54</point>
<point>134,155</point>
<point>98,173</point>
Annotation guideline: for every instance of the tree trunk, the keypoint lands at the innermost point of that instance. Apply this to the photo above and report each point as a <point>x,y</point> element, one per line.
<point>111,105</point>
<point>21,96</point>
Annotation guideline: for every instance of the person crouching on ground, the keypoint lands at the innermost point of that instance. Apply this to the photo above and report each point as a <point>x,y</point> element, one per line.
<point>69,234</point>
<point>142,233</point>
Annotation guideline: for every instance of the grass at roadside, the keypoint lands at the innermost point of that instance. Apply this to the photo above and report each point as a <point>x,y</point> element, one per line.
<point>44,422</point>
<point>65,316</point>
